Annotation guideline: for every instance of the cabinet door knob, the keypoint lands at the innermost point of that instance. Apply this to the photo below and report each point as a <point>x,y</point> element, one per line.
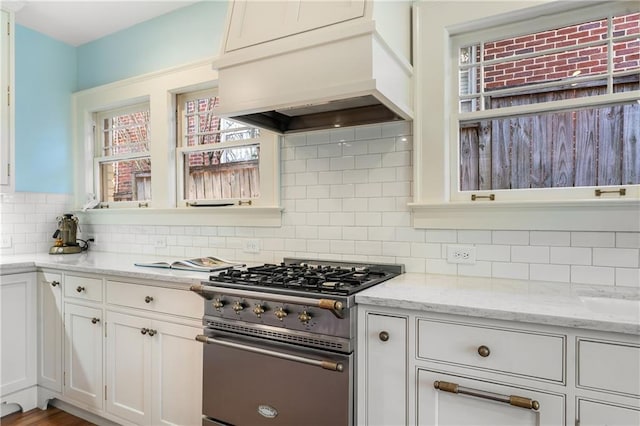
<point>55,283</point>
<point>95,320</point>
<point>144,330</point>
<point>384,336</point>
<point>80,289</point>
<point>148,299</point>
<point>483,351</point>
<point>152,332</point>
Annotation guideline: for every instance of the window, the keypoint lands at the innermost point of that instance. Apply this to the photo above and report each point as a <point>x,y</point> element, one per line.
<point>452,95</point>
<point>141,140</point>
<point>218,159</point>
<point>550,105</point>
<point>123,162</point>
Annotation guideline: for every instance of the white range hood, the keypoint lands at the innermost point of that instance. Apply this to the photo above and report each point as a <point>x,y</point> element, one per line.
<point>293,66</point>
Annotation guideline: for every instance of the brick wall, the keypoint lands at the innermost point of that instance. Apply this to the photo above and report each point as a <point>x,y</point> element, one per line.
<point>589,60</point>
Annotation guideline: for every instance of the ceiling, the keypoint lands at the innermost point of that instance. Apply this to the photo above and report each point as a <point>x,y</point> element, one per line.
<point>79,22</point>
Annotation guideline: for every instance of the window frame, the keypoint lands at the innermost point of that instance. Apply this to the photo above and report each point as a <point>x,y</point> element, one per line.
<point>100,116</point>
<point>543,23</point>
<point>160,89</point>
<point>265,167</point>
<point>434,131</point>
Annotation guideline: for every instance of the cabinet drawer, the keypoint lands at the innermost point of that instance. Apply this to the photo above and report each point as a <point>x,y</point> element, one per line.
<point>158,299</point>
<point>591,413</point>
<point>609,366</point>
<point>83,287</point>
<point>506,351</point>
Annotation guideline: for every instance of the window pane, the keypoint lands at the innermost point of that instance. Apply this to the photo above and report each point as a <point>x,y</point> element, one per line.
<point>128,180</point>
<point>588,147</point>
<point>126,133</point>
<point>222,174</point>
<point>202,126</point>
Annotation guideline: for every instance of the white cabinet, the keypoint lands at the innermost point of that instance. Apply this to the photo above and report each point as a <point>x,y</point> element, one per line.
<point>50,330</point>
<point>438,407</point>
<point>154,364</point>
<point>18,339</point>
<point>384,370</point>
<point>593,413</point>
<point>7,100</point>
<point>154,371</point>
<point>83,355</point>
<point>255,22</point>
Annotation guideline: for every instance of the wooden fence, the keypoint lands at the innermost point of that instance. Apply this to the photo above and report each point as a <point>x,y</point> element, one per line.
<point>590,147</point>
<point>223,181</point>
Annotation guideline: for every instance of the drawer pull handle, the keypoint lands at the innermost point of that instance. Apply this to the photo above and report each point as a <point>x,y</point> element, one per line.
<point>384,336</point>
<point>80,289</point>
<point>516,401</point>
<point>148,299</point>
<point>55,283</point>
<point>95,320</point>
<point>484,351</point>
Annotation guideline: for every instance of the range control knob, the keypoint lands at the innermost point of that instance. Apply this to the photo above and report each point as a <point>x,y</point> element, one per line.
<point>258,310</point>
<point>304,317</point>
<point>237,306</point>
<point>280,313</point>
<point>217,304</point>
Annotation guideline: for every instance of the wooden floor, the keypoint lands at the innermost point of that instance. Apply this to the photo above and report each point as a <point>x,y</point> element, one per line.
<point>50,417</point>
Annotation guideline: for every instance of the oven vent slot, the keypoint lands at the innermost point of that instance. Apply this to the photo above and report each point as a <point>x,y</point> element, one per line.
<point>283,337</point>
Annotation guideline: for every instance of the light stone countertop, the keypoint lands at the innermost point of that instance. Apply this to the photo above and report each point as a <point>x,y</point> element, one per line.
<point>603,308</point>
<point>112,264</point>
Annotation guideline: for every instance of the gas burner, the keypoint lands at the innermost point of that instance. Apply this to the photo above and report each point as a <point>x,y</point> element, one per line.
<point>307,276</point>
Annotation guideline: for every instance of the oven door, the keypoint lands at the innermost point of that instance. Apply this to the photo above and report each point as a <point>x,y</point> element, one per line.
<point>249,381</point>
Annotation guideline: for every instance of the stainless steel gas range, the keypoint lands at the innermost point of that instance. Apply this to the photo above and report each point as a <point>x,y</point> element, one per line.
<point>280,340</point>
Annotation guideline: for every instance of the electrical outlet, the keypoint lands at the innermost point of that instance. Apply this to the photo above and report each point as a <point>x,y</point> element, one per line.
<point>5,241</point>
<point>252,246</point>
<point>160,241</point>
<point>461,254</point>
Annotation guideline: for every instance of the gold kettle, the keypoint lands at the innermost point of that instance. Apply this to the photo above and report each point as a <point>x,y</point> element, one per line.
<point>65,235</point>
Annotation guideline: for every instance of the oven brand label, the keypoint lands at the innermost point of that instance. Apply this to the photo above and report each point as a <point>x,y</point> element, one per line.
<point>267,411</point>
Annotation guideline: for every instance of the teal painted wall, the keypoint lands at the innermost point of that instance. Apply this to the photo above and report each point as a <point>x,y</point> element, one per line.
<point>49,71</point>
<point>45,78</point>
<point>186,35</point>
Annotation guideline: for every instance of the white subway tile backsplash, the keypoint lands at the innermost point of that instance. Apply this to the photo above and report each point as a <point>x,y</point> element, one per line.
<point>474,237</point>
<point>510,270</point>
<point>592,275</point>
<point>623,258</point>
<point>593,239</point>
<point>628,277</point>
<point>344,194</point>
<point>628,239</point>
<point>510,237</point>
<point>548,238</point>
<point>546,272</point>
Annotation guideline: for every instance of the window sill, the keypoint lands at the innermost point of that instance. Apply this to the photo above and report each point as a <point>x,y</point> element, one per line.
<point>200,216</point>
<point>588,215</point>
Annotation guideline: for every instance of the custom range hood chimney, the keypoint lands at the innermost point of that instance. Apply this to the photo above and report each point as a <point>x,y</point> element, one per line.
<point>300,65</point>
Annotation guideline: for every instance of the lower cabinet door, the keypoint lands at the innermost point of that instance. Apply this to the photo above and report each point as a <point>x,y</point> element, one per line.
<point>176,378</point>
<point>128,367</point>
<point>83,355</point>
<point>442,408</point>
<point>592,413</point>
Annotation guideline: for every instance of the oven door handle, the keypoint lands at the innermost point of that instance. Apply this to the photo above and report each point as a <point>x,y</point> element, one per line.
<point>327,365</point>
<point>335,306</point>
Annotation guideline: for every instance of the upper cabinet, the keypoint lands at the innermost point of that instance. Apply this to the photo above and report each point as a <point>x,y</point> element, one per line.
<point>7,101</point>
<point>249,19</point>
